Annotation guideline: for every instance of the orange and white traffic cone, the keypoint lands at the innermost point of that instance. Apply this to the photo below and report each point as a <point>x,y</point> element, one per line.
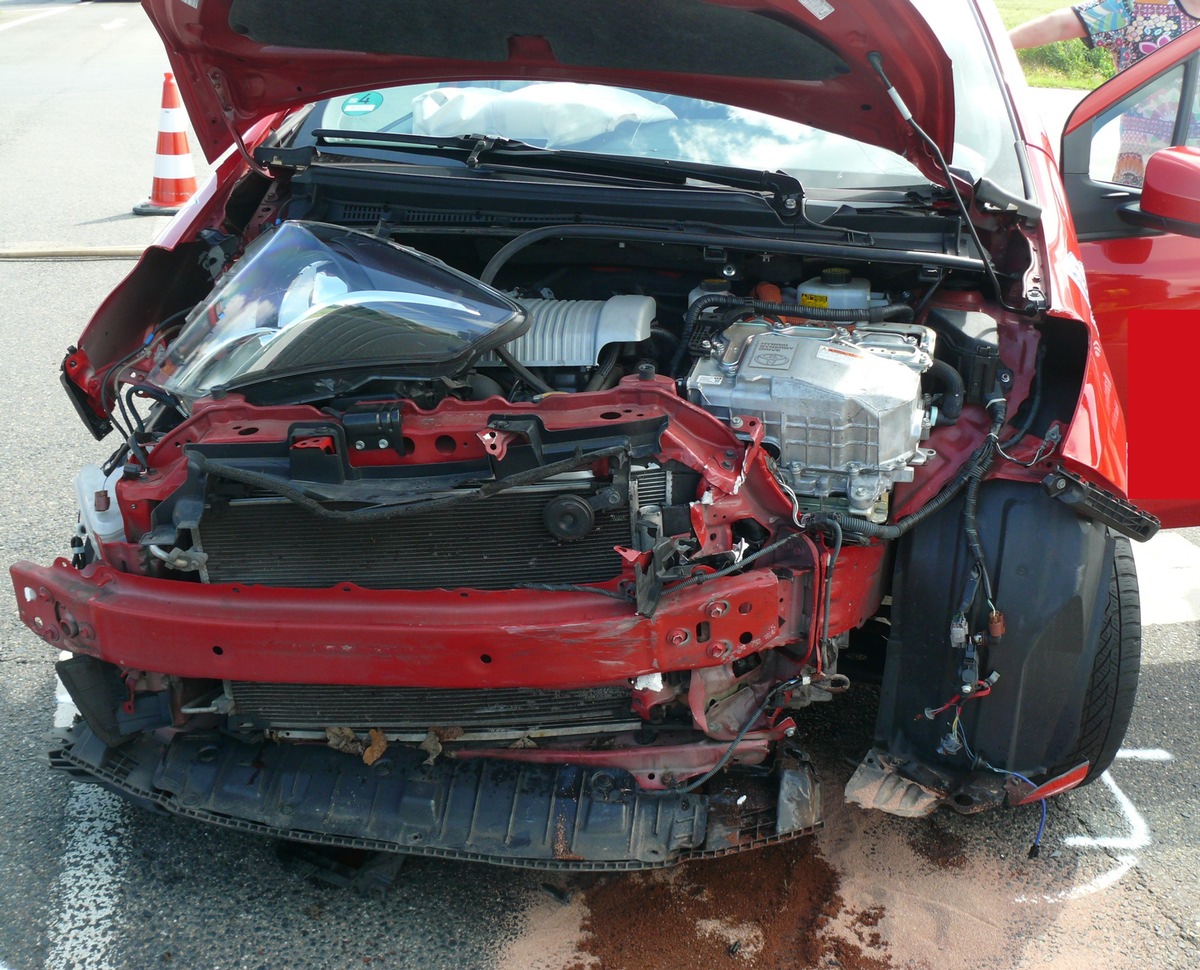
<point>174,174</point>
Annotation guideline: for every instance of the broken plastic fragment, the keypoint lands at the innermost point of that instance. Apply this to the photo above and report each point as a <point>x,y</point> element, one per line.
<point>343,739</point>
<point>376,748</point>
<point>432,744</point>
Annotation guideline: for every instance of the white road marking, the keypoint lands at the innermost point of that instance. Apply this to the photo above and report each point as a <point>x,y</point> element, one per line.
<point>88,887</point>
<point>114,24</point>
<point>34,16</point>
<point>65,710</point>
<point>1168,569</point>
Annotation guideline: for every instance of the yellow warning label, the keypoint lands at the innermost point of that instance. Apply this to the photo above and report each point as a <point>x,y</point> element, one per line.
<point>814,299</point>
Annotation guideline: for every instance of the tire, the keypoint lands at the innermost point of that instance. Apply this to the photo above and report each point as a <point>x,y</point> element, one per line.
<point>1112,687</point>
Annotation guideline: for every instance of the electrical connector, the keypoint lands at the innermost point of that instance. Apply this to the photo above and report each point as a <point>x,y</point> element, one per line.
<point>958,632</point>
<point>949,745</point>
<point>969,671</point>
<point>995,625</point>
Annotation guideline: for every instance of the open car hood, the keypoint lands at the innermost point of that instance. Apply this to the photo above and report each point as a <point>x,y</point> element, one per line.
<point>238,61</point>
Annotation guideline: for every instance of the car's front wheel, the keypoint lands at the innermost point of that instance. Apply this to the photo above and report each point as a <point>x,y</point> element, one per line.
<point>1112,686</point>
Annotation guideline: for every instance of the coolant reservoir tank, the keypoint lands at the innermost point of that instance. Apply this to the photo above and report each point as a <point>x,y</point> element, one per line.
<point>708,288</point>
<point>836,289</point>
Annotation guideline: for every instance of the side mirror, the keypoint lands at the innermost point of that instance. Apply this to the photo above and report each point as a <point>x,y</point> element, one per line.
<point>1170,200</point>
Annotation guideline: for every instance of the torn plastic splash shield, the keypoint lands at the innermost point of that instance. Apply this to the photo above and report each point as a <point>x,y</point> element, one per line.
<point>523,815</point>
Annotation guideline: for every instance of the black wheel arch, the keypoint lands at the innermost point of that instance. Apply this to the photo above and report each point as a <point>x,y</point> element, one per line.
<point>1054,576</point>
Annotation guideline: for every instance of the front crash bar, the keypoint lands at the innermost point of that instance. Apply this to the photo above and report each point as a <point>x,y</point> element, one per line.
<point>346,634</point>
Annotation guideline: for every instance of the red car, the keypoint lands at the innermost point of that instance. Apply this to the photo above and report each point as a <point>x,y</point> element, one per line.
<point>542,403</point>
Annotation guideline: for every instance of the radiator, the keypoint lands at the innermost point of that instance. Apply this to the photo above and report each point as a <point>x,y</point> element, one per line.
<point>412,711</point>
<point>492,544</point>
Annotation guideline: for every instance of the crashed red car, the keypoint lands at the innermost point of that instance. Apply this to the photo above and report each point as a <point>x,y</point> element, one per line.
<point>537,408</point>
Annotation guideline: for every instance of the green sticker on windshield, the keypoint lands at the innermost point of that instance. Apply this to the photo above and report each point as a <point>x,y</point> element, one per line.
<point>362,104</point>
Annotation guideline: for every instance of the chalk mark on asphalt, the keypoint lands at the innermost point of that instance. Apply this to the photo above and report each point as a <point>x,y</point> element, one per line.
<point>1139,831</point>
<point>1145,754</point>
<point>1101,882</point>
<point>1138,837</point>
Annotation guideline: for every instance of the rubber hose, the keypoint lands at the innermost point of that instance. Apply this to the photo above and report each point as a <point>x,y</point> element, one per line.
<point>952,395</point>
<point>875,314</point>
<point>375,513</point>
<point>662,333</point>
<point>523,372</point>
<point>605,369</point>
<point>982,456</point>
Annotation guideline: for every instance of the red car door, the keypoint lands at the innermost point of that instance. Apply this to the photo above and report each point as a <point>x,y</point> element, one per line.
<point>1106,144</point>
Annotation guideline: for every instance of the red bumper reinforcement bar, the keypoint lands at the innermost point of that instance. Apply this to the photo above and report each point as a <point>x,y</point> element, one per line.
<point>431,638</point>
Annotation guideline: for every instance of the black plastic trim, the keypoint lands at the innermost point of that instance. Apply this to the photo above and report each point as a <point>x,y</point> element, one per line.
<point>1096,503</point>
<point>549,817</point>
<point>98,426</point>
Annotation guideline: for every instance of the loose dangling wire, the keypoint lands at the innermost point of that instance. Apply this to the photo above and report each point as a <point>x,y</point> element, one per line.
<point>957,730</point>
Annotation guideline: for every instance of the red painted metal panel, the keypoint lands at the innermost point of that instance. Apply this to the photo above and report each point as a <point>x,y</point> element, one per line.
<point>438,638</point>
<point>1172,186</point>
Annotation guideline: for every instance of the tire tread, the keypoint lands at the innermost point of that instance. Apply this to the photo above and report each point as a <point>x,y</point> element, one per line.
<point>1112,688</point>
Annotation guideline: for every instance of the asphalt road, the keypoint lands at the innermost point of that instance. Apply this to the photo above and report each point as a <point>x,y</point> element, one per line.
<point>89,882</point>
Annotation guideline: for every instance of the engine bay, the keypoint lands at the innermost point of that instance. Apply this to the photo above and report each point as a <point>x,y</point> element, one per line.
<point>847,387</point>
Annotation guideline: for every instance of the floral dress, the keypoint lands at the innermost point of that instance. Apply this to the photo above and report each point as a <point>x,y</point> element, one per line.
<point>1131,30</point>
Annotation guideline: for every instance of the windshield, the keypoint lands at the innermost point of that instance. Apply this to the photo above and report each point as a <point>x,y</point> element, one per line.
<point>310,296</point>
<point>648,125</point>
<point>617,121</point>
<point>985,143</point>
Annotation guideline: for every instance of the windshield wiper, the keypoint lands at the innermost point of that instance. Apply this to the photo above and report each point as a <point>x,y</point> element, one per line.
<point>497,154</point>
